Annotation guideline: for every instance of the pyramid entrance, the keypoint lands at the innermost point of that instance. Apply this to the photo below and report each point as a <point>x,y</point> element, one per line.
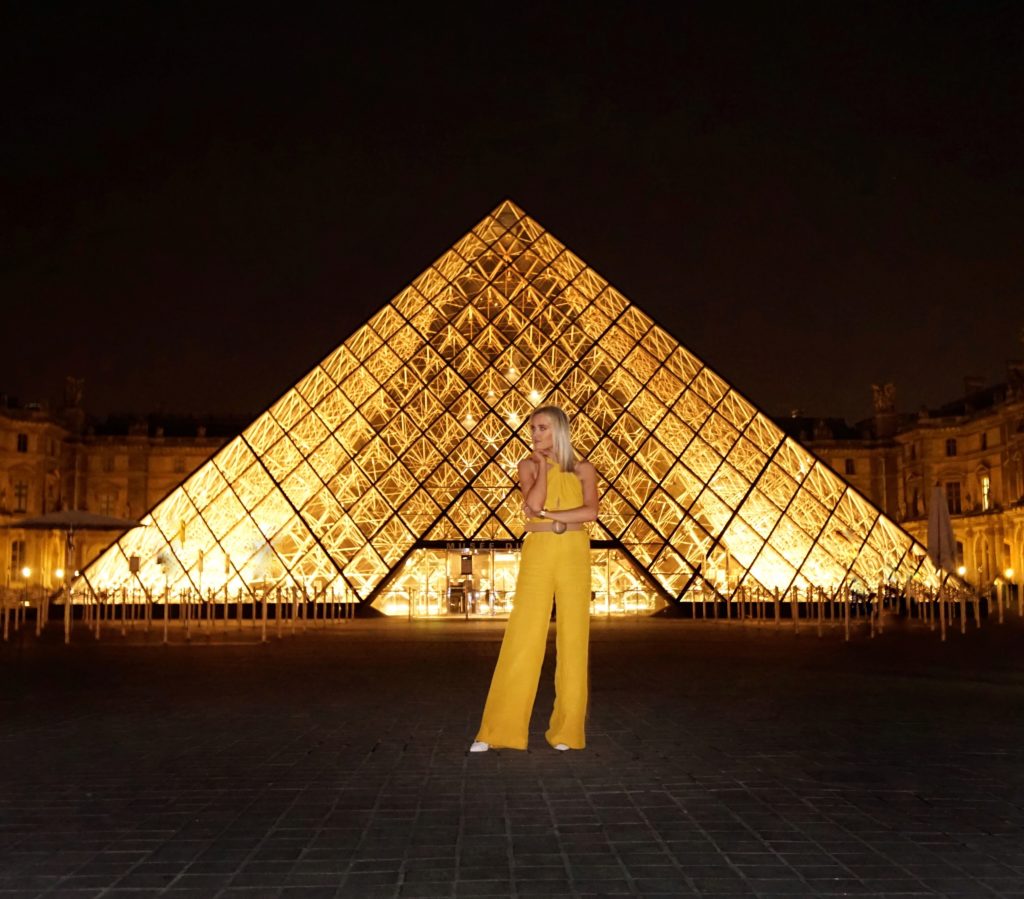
<point>405,440</point>
<point>477,579</point>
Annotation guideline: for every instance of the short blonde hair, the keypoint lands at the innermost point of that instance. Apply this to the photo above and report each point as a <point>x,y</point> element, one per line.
<point>564,453</point>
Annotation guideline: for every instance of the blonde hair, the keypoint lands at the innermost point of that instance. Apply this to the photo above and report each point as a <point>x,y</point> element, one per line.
<point>564,454</point>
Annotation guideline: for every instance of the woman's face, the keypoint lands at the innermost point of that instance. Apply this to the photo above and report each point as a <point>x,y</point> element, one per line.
<point>542,433</point>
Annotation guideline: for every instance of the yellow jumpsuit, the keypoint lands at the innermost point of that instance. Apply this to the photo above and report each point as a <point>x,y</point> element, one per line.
<point>552,566</point>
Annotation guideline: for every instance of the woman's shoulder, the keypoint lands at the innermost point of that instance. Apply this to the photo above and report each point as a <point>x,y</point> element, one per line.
<point>585,468</point>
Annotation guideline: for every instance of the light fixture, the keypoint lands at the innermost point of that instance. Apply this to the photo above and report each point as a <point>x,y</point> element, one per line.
<point>59,574</point>
<point>26,572</point>
<point>1008,574</point>
<point>962,570</point>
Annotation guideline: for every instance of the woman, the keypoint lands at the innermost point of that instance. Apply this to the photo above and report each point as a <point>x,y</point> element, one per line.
<point>559,494</point>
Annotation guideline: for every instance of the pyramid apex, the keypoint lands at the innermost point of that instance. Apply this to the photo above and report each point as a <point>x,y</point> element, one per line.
<point>507,213</point>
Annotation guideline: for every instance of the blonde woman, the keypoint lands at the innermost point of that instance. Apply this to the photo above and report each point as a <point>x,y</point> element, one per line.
<point>559,494</point>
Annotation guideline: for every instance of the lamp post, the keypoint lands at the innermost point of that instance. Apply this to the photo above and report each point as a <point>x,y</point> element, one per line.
<point>26,573</point>
<point>58,576</point>
<point>1010,588</point>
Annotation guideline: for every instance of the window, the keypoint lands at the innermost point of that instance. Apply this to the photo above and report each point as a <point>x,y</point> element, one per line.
<point>951,446</point>
<point>23,443</point>
<point>108,462</point>
<point>17,557</point>
<point>20,496</point>
<point>106,503</point>
<point>984,441</point>
<point>913,452</point>
<point>953,497</point>
<point>850,466</point>
<point>986,492</point>
<point>959,553</point>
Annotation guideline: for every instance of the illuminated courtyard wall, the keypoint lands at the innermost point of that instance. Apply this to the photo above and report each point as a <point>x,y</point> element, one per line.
<point>409,434</point>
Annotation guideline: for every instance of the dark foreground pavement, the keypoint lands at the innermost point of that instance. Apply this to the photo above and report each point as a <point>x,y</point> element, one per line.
<point>724,761</point>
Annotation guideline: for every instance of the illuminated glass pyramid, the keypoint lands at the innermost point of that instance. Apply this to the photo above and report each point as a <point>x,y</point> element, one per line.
<point>409,433</point>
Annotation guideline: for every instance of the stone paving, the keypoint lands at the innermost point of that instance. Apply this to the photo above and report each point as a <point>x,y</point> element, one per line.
<point>723,760</point>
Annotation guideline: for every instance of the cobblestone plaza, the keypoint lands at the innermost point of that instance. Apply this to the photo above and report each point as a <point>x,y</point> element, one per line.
<point>723,760</point>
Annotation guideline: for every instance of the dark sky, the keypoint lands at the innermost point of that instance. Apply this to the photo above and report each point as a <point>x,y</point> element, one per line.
<point>198,203</point>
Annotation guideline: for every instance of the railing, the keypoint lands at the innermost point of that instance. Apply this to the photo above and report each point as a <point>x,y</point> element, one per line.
<point>273,611</point>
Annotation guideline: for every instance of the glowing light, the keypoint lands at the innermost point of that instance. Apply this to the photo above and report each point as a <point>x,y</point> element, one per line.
<point>962,570</point>
<point>26,572</point>
<point>1008,574</point>
<point>59,573</point>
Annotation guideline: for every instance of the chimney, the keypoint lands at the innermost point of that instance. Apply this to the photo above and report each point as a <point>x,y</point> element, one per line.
<point>883,399</point>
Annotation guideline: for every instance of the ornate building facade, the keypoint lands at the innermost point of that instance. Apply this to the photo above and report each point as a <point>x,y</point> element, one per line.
<point>56,459</point>
<point>971,448</point>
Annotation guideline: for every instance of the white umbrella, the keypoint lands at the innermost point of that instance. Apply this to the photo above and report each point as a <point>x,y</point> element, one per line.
<point>941,542</point>
<point>942,547</point>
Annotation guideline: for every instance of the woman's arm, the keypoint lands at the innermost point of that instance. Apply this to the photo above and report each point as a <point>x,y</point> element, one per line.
<point>587,474</point>
<point>533,482</point>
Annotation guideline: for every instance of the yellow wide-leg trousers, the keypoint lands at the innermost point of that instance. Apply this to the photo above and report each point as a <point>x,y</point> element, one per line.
<point>552,567</point>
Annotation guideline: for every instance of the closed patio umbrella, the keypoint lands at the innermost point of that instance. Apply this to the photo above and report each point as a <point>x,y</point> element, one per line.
<point>941,542</point>
<point>942,548</point>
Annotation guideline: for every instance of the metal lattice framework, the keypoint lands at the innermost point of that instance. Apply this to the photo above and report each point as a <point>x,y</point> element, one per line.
<point>411,430</point>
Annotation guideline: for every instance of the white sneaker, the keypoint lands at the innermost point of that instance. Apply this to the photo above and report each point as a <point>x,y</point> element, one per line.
<point>561,747</point>
<point>481,746</point>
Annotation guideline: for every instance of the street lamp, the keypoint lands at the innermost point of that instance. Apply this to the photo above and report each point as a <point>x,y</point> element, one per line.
<point>962,570</point>
<point>26,573</point>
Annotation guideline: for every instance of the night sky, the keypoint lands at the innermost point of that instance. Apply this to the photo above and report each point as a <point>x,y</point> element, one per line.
<point>199,204</point>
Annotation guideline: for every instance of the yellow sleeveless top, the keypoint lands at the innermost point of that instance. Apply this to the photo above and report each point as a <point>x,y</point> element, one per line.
<point>565,491</point>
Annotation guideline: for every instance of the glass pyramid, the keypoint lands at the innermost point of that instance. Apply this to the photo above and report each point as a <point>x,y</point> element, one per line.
<point>408,435</point>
